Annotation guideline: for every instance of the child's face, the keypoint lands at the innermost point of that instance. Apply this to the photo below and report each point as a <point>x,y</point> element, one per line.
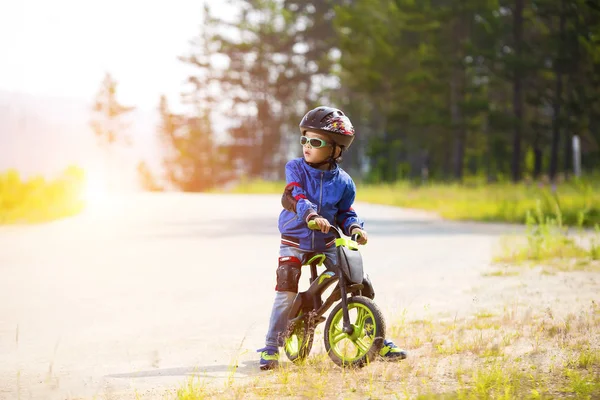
<point>316,155</point>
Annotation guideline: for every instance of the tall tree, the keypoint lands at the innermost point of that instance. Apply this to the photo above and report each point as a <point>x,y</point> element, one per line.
<point>147,179</point>
<point>193,163</point>
<point>517,89</point>
<point>559,65</point>
<point>107,119</point>
<point>108,122</point>
<point>264,83</point>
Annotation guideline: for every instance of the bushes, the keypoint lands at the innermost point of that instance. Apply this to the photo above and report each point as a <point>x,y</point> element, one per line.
<point>38,200</point>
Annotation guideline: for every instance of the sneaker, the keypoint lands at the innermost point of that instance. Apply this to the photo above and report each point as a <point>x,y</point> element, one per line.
<point>269,357</point>
<point>391,352</point>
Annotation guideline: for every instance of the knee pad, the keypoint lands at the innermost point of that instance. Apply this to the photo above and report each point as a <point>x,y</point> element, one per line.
<point>288,274</point>
<point>367,289</point>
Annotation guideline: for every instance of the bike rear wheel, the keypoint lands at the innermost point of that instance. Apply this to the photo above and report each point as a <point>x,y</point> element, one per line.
<point>299,339</point>
<point>363,345</point>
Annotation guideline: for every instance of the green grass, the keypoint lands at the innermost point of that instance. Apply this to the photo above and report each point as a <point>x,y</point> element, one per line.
<point>577,201</point>
<point>194,388</point>
<point>502,272</point>
<point>497,202</point>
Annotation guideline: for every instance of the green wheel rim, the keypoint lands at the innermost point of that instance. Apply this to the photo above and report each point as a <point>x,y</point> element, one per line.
<point>296,338</point>
<point>349,348</point>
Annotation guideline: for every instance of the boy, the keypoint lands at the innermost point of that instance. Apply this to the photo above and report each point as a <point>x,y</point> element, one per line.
<point>316,189</point>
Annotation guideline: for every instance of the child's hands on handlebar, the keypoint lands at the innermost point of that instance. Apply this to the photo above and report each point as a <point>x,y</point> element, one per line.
<point>323,224</point>
<point>362,235</point>
<point>319,223</point>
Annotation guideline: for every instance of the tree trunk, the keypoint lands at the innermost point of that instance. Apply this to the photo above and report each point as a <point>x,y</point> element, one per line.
<point>537,157</point>
<point>488,148</point>
<point>517,91</point>
<point>556,128</point>
<point>457,94</point>
<point>457,121</point>
<point>556,121</point>
<point>567,148</point>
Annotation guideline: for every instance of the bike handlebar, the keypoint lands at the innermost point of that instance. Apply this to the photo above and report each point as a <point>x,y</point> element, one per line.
<point>315,227</point>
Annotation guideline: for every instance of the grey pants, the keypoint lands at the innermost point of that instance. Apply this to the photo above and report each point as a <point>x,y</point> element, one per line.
<point>283,300</point>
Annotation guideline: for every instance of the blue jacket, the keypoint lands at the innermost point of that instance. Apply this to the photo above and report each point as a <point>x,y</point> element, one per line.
<point>329,194</point>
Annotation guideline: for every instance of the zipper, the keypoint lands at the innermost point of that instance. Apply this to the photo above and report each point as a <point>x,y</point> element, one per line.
<point>319,207</point>
<point>321,196</point>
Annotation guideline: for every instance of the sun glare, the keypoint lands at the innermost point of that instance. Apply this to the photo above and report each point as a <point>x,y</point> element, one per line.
<point>103,193</point>
<point>95,193</point>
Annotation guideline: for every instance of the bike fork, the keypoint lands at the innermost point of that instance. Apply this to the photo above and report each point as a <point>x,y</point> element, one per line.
<point>347,329</point>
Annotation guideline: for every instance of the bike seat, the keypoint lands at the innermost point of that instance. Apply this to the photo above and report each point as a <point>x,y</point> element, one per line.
<point>318,259</point>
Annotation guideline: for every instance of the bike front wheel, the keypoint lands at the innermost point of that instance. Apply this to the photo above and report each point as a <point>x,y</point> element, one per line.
<point>366,340</point>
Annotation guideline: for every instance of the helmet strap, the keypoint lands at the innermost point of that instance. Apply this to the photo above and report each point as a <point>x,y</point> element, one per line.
<point>331,160</point>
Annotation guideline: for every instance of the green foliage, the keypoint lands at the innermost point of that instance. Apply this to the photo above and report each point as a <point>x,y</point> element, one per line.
<point>37,200</point>
<point>465,84</point>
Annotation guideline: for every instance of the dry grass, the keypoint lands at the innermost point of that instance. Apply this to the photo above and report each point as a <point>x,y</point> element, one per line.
<point>514,354</point>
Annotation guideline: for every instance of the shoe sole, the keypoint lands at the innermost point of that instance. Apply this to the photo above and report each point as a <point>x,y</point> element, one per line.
<point>384,358</point>
<point>268,367</point>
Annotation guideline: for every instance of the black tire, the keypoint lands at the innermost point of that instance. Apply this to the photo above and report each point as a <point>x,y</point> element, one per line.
<point>299,339</point>
<point>369,333</point>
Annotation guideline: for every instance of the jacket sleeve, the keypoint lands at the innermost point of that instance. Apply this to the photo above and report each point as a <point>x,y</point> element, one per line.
<point>346,217</point>
<point>304,208</point>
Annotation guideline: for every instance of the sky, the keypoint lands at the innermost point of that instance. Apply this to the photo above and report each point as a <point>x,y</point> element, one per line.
<point>63,47</point>
<point>53,57</point>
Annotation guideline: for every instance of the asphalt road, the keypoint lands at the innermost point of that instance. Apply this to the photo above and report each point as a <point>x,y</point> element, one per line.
<point>140,293</point>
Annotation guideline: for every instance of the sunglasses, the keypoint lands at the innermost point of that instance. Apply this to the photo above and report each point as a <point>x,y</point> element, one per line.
<point>313,142</point>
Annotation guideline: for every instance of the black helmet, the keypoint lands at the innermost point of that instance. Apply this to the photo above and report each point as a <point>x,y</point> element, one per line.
<point>330,121</point>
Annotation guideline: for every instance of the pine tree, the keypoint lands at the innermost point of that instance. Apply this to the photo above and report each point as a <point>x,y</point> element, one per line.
<point>146,179</point>
<point>192,163</point>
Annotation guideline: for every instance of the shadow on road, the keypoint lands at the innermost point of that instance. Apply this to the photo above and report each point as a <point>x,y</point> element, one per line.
<point>210,371</point>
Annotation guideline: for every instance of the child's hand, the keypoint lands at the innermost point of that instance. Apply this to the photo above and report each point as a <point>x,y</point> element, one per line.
<point>362,235</point>
<point>323,224</point>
